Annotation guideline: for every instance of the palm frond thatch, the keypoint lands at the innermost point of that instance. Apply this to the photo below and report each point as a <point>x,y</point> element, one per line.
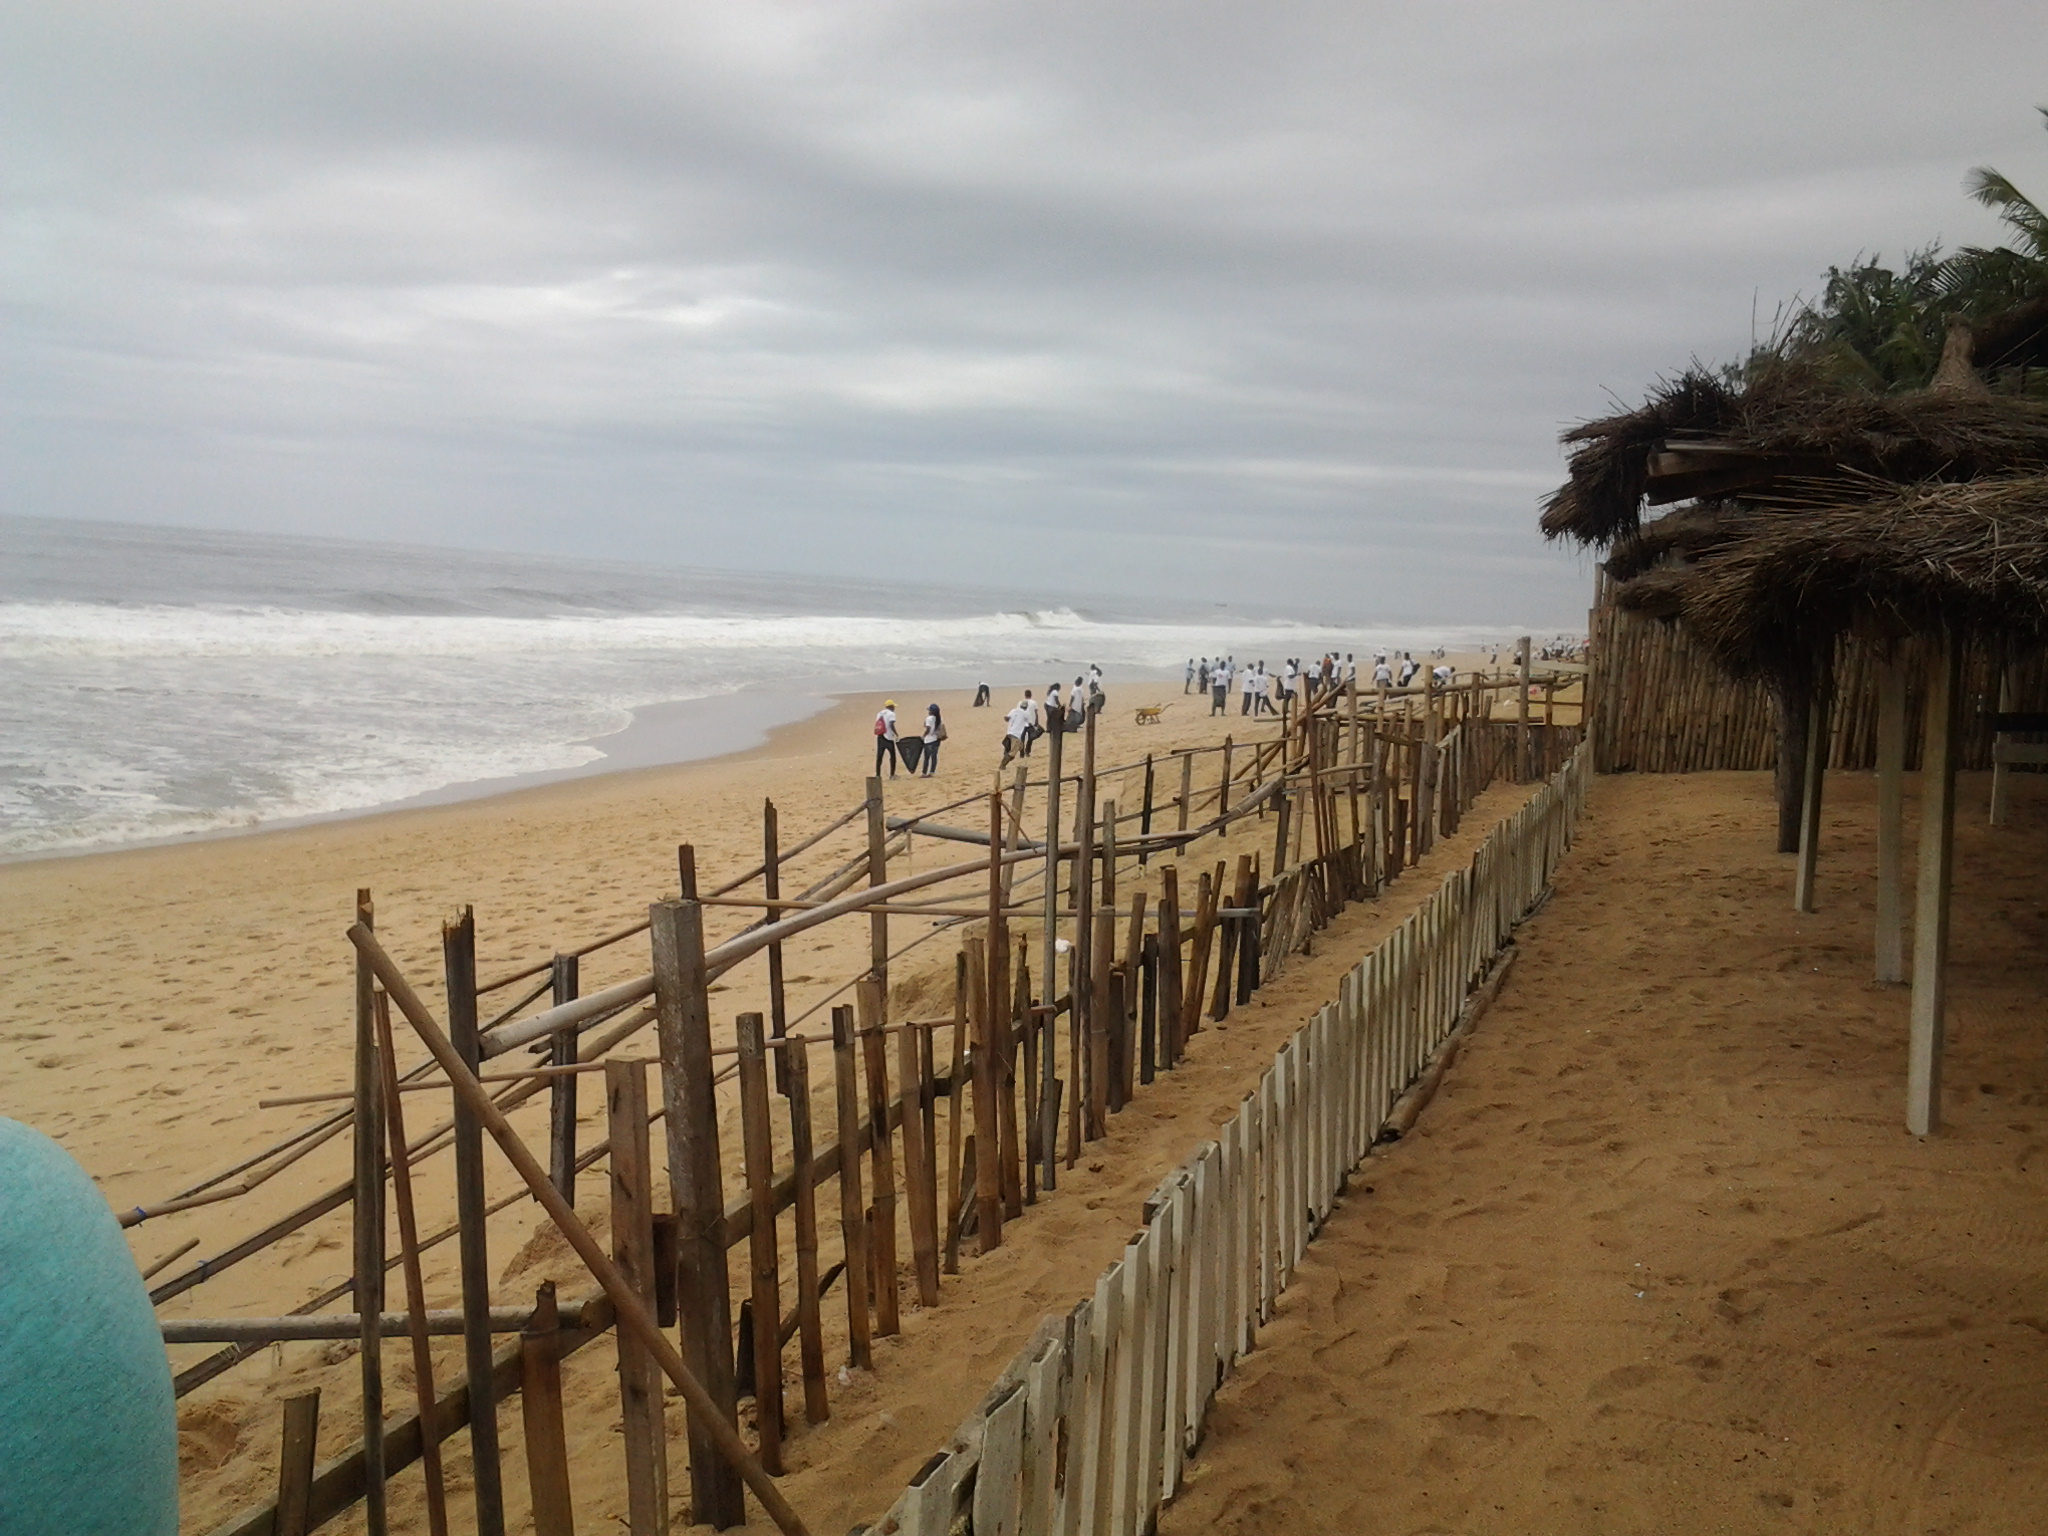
<point>1788,424</point>
<point>1970,558</point>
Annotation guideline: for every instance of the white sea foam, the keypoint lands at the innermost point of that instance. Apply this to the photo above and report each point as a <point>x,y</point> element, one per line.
<point>126,714</point>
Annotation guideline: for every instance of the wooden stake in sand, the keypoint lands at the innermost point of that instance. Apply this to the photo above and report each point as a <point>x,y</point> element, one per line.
<point>1891,797</point>
<point>763,1266</point>
<point>369,1232</point>
<point>563,977</point>
<point>1809,799</point>
<point>1931,900</point>
<point>631,1311</point>
<point>643,1422</point>
<point>853,1225</point>
<point>703,1287</point>
<point>415,1283</point>
<point>295,1463</point>
<point>810,1334</point>
<point>458,955</point>
<point>540,1408</point>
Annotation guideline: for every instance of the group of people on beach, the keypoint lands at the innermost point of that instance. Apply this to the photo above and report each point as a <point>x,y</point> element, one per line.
<point>1030,719</point>
<point>919,753</point>
<point>1263,692</point>
<point>1026,722</point>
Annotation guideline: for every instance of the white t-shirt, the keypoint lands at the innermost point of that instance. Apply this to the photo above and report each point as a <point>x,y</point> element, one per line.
<point>1383,675</point>
<point>1020,718</point>
<point>1219,675</point>
<point>1250,680</point>
<point>888,719</point>
<point>931,728</point>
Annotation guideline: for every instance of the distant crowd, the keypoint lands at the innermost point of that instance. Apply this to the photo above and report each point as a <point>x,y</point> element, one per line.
<point>1257,690</point>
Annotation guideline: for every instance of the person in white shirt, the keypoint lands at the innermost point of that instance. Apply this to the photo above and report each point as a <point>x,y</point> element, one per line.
<point>1443,675</point>
<point>1382,674</point>
<point>1188,683</point>
<point>1219,688</point>
<point>885,738</point>
<point>1409,667</point>
<point>1351,669</point>
<point>1290,677</point>
<point>934,733</point>
<point>1055,711</point>
<point>1248,685</point>
<point>1016,730</point>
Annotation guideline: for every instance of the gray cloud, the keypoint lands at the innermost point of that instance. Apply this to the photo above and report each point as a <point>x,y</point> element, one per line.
<point>1281,304</point>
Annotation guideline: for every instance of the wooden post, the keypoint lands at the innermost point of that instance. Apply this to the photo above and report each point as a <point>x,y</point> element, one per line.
<point>1223,784</point>
<point>916,1088</point>
<point>2001,775</point>
<point>1148,1010</point>
<point>564,973</point>
<point>1169,968</point>
<point>1891,798</point>
<point>1145,814</point>
<point>1187,790</point>
<point>771,887</point>
<point>641,1414</point>
<point>369,1231</point>
<point>458,954</point>
<point>758,1141</point>
<point>295,1464</point>
<point>703,1284</point>
<point>1000,1038</point>
<point>1101,1002</point>
<point>874,1052</point>
<point>1525,744</point>
<point>415,1284</point>
<point>955,1086</point>
<point>1108,896</point>
<point>1931,900</point>
<point>852,1207</point>
<point>878,874</point>
<point>1809,799</point>
<point>1048,1095</point>
<point>810,1325</point>
<point>988,1173</point>
<point>540,1404</point>
<point>1081,1023</point>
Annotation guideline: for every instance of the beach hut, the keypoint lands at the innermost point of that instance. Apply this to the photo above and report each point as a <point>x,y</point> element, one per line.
<point>1915,525</point>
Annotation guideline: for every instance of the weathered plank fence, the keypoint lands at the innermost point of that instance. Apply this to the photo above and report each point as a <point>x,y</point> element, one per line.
<point>1089,1428</point>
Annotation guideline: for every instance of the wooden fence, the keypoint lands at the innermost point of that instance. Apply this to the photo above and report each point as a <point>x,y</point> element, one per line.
<point>1087,1432</point>
<point>1659,704</point>
<point>1350,790</point>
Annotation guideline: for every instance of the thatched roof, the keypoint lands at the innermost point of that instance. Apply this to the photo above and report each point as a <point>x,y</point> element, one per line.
<point>1971,558</point>
<point>1698,438</point>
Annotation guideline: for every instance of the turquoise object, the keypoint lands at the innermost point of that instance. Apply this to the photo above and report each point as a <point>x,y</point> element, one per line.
<point>88,1428</point>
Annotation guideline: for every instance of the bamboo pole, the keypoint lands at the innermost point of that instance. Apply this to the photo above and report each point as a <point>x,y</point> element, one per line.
<point>540,1404</point>
<point>1048,1089</point>
<point>771,888</point>
<point>810,1329</point>
<point>295,1463</point>
<point>852,1207</point>
<point>868,1004</point>
<point>917,1164</point>
<point>564,978</point>
<point>415,1283</point>
<point>1936,882</point>
<point>763,1266</point>
<point>641,1410</point>
<point>703,1285</point>
<point>369,1232</point>
<point>458,947</point>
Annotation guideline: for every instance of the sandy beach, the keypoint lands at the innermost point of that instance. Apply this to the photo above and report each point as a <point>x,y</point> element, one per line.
<point>1661,1254</point>
<point>155,995</point>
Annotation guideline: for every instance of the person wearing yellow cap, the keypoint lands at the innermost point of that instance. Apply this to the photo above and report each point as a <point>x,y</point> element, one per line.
<point>885,738</point>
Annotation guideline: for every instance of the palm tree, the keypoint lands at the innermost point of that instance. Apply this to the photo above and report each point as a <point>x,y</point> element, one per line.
<point>1979,282</point>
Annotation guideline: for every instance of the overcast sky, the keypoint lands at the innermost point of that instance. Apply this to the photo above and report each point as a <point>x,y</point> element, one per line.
<point>1282,304</point>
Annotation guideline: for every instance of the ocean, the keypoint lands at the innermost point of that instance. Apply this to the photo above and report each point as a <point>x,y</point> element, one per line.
<point>160,683</point>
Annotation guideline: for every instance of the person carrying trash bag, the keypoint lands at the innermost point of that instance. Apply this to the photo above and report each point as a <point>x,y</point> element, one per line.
<point>885,738</point>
